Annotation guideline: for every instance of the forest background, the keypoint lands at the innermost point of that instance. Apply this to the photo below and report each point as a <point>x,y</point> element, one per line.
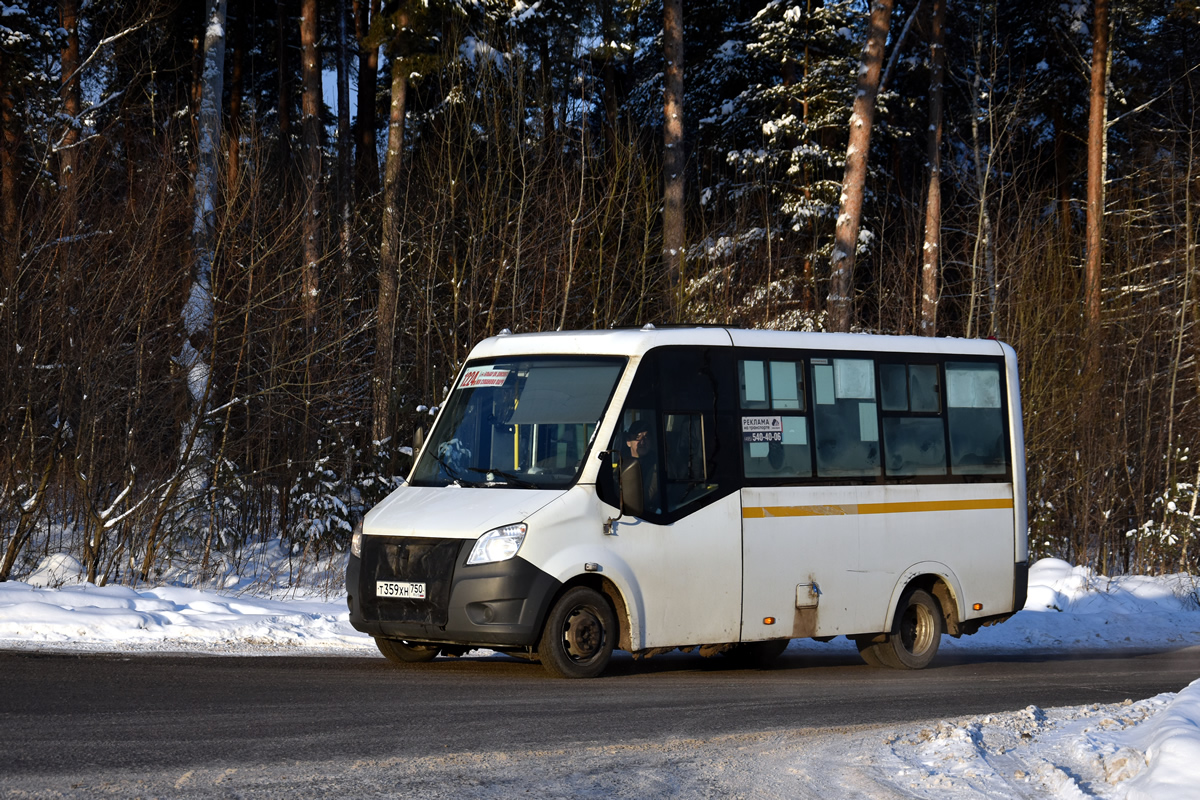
<point>246,247</point>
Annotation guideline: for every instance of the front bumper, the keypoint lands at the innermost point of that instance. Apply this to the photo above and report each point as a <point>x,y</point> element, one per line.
<point>501,604</point>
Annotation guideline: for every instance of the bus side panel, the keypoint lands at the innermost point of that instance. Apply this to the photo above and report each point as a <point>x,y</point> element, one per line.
<point>800,547</point>
<point>966,527</point>
<point>689,574</point>
<point>681,582</point>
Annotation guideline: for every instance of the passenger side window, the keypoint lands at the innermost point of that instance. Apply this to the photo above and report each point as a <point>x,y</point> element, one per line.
<point>845,417</point>
<point>975,412</point>
<point>914,436</point>
<point>774,428</point>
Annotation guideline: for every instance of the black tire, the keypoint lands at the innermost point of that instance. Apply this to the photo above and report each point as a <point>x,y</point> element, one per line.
<point>915,637</point>
<point>578,638</point>
<point>757,655</point>
<point>868,652</point>
<point>402,652</point>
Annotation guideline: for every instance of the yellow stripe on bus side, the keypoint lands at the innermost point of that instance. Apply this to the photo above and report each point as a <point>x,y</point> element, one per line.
<point>765,512</point>
<point>762,512</point>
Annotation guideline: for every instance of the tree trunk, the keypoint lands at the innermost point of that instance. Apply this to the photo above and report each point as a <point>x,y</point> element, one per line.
<point>235,102</point>
<point>283,53</point>
<point>72,104</point>
<point>198,311</point>
<point>931,251</point>
<point>389,255</point>
<point>608,73</point>
<point>985,241</point>
<point>547,91</point>
<point>10,226</point>
<point>310,70</point>
<point>674,160</point>
<point>366,161</point>
<point>862,117</point>
<point>198,314</point>
<point>345,148</point>
<point>1097,162</point>
<point>1063,172</point>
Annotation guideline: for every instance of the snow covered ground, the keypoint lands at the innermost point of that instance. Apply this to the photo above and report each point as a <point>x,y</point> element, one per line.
<point>1144,749</point>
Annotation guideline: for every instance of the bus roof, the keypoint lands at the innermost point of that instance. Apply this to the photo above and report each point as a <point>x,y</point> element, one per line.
<point>636,341</point>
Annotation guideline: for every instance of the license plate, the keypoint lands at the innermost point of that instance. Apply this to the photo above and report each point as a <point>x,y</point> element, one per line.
<point>401,589</point>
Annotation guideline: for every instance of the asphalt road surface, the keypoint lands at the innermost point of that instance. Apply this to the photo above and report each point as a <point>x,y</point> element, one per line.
<point>76,715</point>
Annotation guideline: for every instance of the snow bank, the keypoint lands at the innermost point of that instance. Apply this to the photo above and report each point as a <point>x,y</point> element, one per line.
<point>1073,608</point>
<point>1174,751</point>
<point>1145,750</point>
<point>83,616</point>
<point>1130,751</point>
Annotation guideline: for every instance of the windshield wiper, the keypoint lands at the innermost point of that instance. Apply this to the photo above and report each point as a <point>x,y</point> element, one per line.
<point>453,475</point>
<point>513,479</point>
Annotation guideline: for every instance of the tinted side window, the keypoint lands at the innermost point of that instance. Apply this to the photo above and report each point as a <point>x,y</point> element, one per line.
<point>845,418</point>
<point>914,435</point>
<point>774,429</point>
<point>975,412</point>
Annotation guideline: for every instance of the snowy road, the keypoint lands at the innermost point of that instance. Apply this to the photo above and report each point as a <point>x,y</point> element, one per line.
<point>121,724</point>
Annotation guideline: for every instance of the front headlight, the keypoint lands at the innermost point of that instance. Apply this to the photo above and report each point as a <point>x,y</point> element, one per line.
<point>356,540</point>
<point>498,544</point>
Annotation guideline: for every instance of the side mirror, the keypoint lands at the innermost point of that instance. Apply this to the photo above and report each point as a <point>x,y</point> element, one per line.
<point>633,495</point>
<point>620,483</point>
<point>608,487</point>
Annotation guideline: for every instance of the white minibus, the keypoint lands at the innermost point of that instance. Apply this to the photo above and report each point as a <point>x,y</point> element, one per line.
<point>703,488</point>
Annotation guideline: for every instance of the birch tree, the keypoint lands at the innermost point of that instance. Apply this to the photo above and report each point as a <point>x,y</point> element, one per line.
<point>862,117</point>
<point>195,357</point>
<point>198,312</point>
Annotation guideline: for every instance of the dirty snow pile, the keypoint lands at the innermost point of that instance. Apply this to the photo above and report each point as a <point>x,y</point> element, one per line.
<point>1131,751</point>
<point>1145,750</point>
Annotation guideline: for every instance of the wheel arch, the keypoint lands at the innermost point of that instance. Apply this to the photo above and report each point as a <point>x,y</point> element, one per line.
<point>609,589</point>
<point>939,581</point>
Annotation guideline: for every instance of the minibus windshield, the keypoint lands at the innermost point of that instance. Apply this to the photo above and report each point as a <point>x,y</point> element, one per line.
<point>519,422</point>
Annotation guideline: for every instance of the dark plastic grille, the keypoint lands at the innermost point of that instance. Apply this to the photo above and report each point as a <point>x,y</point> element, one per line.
<point>428,561</point>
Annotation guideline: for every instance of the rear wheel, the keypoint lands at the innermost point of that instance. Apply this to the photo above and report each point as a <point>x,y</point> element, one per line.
<point>915,637</point>
<point>578,639</point>
<point>867,650</point>
<point>400,651</point>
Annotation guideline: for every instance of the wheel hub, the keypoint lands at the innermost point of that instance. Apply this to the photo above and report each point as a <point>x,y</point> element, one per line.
<point>916,630</point>
<point>584,634</point>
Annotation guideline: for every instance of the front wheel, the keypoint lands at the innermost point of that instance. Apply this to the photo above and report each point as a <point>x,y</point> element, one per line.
<point>915,636</point>
<point>399,651</point>
<point>577,641</point>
